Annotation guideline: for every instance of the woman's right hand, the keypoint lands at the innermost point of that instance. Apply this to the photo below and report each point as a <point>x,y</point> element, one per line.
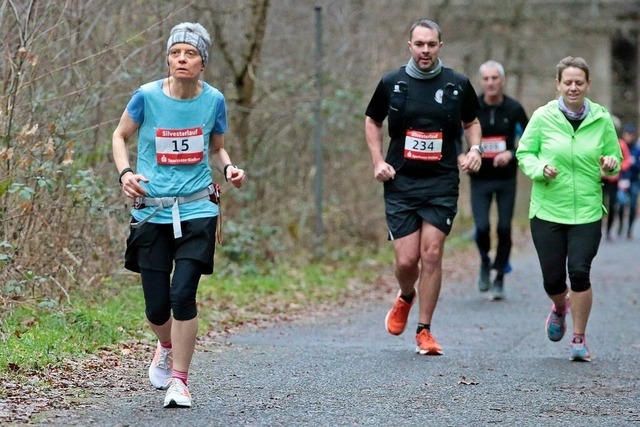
<point>550,172</point>
<point>131,187</point>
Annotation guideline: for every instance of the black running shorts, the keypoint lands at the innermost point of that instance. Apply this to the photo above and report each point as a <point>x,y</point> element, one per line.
<point>406,207</point>
<point>153,246</point>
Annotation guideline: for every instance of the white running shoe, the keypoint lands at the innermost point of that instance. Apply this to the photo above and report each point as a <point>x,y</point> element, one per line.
<point>161,367</point>
<point>178,395</point>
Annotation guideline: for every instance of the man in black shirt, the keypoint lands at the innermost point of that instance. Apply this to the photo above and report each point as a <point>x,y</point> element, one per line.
<point>426,104</point>
<point>503,120</point>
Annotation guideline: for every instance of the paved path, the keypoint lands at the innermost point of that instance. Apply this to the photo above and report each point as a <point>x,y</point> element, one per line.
<point>498,368</point>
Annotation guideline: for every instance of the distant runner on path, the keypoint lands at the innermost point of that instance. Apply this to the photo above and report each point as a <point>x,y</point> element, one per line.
<point>503,120</point>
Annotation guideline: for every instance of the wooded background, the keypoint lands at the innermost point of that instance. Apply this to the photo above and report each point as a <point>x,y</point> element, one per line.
<point>68,69</point>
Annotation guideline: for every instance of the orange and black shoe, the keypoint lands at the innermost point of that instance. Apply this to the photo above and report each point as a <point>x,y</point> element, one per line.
<point>427,344</point>
<point>396,319</point>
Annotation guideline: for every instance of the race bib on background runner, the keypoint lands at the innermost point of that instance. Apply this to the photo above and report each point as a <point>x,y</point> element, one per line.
<point>493,145</point>
<point>423,146</point>
<point>176,147</point>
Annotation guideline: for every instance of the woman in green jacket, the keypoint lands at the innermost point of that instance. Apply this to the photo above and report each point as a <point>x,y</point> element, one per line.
<point>566,146</point>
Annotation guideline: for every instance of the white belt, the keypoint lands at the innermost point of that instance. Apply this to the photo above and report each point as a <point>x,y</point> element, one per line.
<point>164,202</point>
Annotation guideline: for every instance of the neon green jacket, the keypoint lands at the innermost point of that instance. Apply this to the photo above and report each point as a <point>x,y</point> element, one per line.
<point>575,195</point>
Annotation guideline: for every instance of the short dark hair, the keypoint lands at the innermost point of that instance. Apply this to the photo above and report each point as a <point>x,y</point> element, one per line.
<point>427,23</point>
<point>571,61</point>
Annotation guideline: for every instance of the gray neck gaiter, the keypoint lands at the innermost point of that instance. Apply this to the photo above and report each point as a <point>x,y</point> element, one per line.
<point>415,72</point>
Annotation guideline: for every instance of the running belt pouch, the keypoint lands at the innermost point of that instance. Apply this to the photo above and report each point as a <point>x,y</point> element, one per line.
<point>215,195</point>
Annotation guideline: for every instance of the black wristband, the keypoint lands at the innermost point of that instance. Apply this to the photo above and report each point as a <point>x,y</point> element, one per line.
<point>125,170</point>
<point>224,170</point>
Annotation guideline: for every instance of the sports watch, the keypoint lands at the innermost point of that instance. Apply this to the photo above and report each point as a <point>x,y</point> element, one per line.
<point>478,148</point>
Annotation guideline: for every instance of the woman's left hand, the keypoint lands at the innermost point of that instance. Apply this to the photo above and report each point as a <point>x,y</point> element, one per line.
<point>235,176</point>
<point>608,163</point>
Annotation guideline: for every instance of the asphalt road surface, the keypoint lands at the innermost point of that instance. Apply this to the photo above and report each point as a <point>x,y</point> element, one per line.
<point>346,370</point>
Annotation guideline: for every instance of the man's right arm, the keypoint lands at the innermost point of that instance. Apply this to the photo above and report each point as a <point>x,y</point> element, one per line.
<point>373,133</point>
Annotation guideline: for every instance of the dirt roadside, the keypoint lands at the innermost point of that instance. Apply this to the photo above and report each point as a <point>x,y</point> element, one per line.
<point>338,367</point>
<point>78,383</point>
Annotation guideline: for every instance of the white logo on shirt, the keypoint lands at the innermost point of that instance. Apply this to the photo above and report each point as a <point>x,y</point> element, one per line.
<point>438,96</point>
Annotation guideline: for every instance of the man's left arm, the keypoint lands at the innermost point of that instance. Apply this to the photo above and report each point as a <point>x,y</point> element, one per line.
<point>469,110</point>
<point>473,135</point>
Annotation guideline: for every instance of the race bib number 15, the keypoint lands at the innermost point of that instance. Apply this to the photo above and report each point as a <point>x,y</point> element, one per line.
<point>176,147</point>
<point>423,146</point>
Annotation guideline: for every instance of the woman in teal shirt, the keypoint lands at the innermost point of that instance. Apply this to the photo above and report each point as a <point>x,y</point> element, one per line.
<point>179,123</point>
<point>566,146</point>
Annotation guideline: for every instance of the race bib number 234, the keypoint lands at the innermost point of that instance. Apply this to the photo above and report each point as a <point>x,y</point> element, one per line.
<point>423,146</point>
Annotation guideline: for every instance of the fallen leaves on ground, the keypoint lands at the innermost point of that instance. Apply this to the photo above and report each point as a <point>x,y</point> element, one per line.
<point>25,393</point>
<point>465,381</point>
<point>77,383</point>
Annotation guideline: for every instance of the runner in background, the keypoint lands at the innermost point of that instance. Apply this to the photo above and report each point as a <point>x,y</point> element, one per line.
<point>629,184</point>
<point>614,187</point>
<point>503,120</point>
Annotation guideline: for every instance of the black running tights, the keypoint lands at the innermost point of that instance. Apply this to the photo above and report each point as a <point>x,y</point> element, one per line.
<point>563,247</point>
<point>163,294</point>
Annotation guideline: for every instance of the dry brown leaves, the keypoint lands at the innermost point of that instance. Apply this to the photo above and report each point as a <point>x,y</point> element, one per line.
<point>26,393</point>
<point>77,382</point>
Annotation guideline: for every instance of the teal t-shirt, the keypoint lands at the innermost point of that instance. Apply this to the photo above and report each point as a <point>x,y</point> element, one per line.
<point>173,147</point>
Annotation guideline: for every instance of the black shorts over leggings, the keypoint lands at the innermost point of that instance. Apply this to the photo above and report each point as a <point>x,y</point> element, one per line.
<point>153,247</point>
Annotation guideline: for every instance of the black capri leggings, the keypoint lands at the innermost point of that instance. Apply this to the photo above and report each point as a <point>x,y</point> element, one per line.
<point>563,247</point>
<point>161,296</point>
